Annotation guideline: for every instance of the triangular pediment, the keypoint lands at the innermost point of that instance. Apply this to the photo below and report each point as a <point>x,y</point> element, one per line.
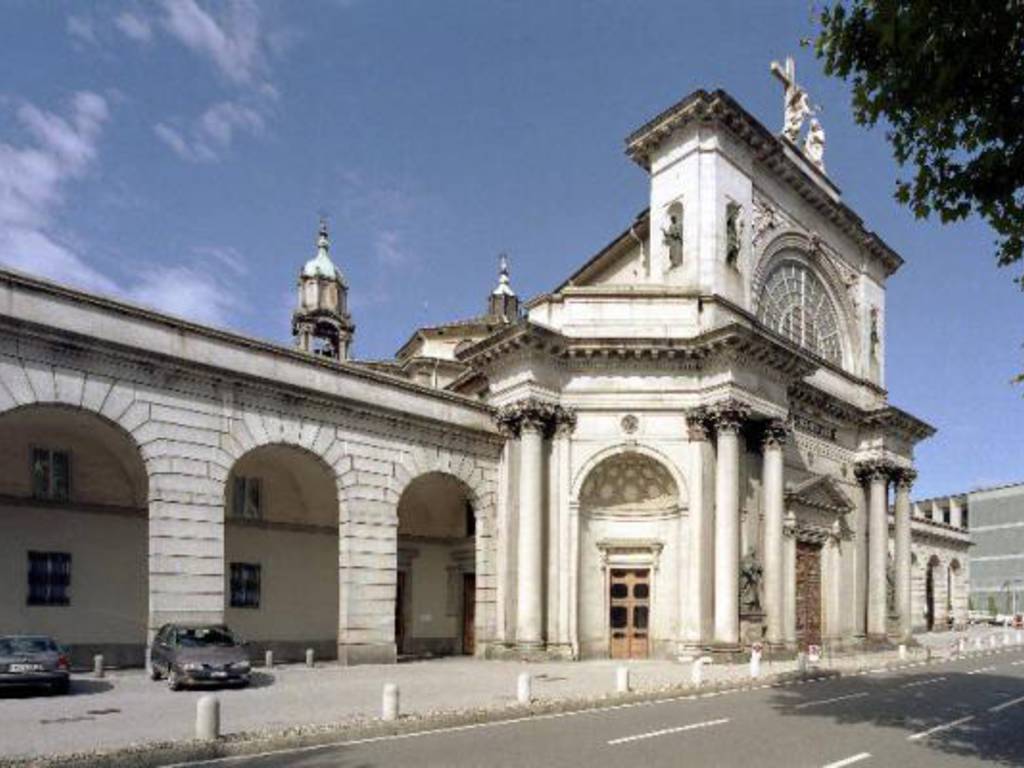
<point>819,492</point>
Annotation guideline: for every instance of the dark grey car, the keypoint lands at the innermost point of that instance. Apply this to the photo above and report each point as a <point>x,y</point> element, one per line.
<point>190,654</point>
<point>33,661</point>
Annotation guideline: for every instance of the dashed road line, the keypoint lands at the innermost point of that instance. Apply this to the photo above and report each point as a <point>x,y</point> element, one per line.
<point>666,731</point>
<point>918,683</point>
<point>981,669</point>
<point>1005,704</point>
<point>822,702</point>
<point>849,760</point>
<point>938,728</point>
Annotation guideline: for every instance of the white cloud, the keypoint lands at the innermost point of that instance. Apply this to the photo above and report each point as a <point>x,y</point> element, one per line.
<point>232,43</point>
<point>389,250</point>
<point>189,292</point>
<point>134,26</point>
<point>213,132</point>
<point>81,29</point>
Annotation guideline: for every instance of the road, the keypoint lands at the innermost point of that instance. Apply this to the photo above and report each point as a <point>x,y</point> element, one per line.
<point>968,712</point>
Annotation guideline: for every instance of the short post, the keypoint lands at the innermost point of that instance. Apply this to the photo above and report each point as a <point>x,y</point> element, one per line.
<point>208,718</point>
<point>992,641</point>
<point>268,659</point>
<point>977,643</point>
<point>523,688</point>
<point>755,660</point>
<point>389,705</point>
<point>310,660</point>
<point>801,662</point>
<point>902,650</point>
<point>1019,637</point>
<point>697,672</point>
<point>961,644</point>
<point>97,665</point>
<point>622,679</point>
<point>1006,639</point>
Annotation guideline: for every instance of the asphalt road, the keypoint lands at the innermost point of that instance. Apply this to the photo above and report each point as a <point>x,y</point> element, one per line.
<point>962,713</point>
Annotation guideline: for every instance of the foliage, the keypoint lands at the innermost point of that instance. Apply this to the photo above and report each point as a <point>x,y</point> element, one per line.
<point>947,76</point>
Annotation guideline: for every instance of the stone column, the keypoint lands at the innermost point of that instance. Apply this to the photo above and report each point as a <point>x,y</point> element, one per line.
<point>904,479</point>
<point>695,596</point>
<point>789,580</point>
<point>564,424</point>
<point>956,514</point>
<point>530,570</point>
<point>860,563</point>
<point>729,417</point>
<point>877,476</point>
<point>773,483</point>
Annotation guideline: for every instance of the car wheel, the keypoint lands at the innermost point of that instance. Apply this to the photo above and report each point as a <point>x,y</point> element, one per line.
<point>62,687</point>
<point>173,680</point>
<point>154,671</point>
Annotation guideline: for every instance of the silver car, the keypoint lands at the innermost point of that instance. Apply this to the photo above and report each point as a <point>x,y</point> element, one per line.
<point>190,654</point>
<point>33,661</point>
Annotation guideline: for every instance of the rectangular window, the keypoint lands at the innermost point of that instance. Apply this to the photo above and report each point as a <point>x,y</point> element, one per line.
<point>245,585</point>
<point>51,474</point>
<point>247,502</point>
<point>49,578</point>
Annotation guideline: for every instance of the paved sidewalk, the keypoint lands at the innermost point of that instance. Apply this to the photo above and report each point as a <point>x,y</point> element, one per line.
<point>127,708</point>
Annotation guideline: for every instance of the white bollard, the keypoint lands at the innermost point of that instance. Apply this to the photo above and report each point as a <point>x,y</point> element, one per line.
<point>389,704</point>
<point>992,641</point>
<point>310,659</point>
<point>622,679</point>
<point>801,662</point>
<point>268,659</point>
<point>97,665</point>
<point>961,644</point>
<point>208,718</point>
<point>755,663</point>
<point>1006,639</point>
<point>977,643</point>
<point>902,652</point>
<point>1019,637</point>
<point>523,688</point>
<point>697,672</point>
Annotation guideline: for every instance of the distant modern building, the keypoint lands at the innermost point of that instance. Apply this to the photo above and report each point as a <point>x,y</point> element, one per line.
<point>995,517</point>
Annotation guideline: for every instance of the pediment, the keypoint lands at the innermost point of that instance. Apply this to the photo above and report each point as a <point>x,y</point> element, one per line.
<point>820,492</point>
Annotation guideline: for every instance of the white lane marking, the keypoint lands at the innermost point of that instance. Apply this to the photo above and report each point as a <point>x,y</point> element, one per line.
<point>849,760</point>
<point>1005,704</point>
<point>918,683</point>
<point>666,731</point>
<point>937,728</point>
<point>831,701</point>
<point>982,669</point>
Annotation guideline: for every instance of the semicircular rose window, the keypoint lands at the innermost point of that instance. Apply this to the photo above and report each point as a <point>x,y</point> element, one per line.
<point>794,303</point>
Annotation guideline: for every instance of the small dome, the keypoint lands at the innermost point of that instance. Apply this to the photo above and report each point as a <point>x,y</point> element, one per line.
<point>321,264</point>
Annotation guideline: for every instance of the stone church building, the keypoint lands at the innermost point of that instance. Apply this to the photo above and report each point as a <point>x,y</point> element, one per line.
<point>686,445</point>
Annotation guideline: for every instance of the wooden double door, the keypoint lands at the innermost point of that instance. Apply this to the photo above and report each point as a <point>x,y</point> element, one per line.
<point>808,593</point>
<point>629,612</point>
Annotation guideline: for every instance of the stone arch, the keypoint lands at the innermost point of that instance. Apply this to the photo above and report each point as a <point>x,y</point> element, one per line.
<point>796,247</point>
<point>421,461</point>
<point>623,448</point>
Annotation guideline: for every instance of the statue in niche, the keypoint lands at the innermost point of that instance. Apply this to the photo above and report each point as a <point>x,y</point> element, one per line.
<point>672,236</point>
<point>733,233</point>
<point>751,574</point>
<point>814,144</point>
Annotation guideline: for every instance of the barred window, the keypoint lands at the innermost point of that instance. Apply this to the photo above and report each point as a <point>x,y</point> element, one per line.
<point>247,499</point>
<point>49,578</point>
<point>795,304</point>
<point>51,474</point>
<point>245,585</point>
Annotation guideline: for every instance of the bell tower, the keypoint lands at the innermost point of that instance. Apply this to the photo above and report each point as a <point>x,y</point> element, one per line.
<point>321,323</point>
<point>503,304</point>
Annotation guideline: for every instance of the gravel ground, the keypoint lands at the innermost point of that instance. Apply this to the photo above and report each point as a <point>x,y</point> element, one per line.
<point>126,708</point>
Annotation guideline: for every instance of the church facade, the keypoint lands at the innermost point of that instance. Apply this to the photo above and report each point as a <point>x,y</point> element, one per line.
<point>687,445</point>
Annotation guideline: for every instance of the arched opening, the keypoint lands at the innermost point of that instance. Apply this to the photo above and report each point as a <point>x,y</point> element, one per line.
<point>628,593</point>
<point>435,601</point>
<point>929,592</point>
<point>74,533</point>
<point>281,552</point>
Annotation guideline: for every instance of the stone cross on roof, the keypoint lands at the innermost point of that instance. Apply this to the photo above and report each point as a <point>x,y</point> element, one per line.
<point>796,109</point>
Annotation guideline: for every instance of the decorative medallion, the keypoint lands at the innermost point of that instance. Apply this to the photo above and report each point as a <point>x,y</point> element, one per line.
<point>630,423</point>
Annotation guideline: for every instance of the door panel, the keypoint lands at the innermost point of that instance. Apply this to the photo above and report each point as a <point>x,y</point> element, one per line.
<point>629,591</point>
<point>468,613</point>
<point>808,593</point>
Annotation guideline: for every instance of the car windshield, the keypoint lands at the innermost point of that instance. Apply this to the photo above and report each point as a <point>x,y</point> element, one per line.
<point>201,637</point>
<point>13,646</point>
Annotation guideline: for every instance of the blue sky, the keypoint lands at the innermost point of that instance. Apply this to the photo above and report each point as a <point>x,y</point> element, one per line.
<point>179,153</point>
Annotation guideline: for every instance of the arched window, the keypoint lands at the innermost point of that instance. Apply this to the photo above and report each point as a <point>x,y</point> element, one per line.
<point>795,304</point>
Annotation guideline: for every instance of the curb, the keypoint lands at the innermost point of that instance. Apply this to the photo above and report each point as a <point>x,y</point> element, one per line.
<point>157,754</point>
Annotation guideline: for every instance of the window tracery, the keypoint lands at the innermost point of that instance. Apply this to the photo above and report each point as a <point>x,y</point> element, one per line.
<point>795,304</point>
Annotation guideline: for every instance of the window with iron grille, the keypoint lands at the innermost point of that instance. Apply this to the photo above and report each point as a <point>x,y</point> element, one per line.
<point>245,585</point>
<point>49,578</point>
<point>51,474</point>
<point>247,498</point>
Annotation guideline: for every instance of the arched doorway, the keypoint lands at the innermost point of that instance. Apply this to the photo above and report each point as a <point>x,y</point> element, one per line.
<point>281,552</point>
<point>435,601</point>
<point>954,594</point>
<point>930,592</point>
<point>629,557</point>
<point>74,533</point>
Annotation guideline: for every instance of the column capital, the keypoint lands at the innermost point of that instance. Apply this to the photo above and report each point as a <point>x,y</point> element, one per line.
<point>563,421</point>
<point>873,470</point>
<point>774,434</point>
<point>729,415</point>
<point>698,424</point>
<point>904,478</point>
<point>533,414</point>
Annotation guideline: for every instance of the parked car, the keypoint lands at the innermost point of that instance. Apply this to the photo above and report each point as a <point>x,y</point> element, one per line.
<point>196,654</point>
<point>34,661</point>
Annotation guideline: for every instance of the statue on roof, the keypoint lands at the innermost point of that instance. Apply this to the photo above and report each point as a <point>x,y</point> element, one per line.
<point>797,109</point>
<point>814,145</point>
